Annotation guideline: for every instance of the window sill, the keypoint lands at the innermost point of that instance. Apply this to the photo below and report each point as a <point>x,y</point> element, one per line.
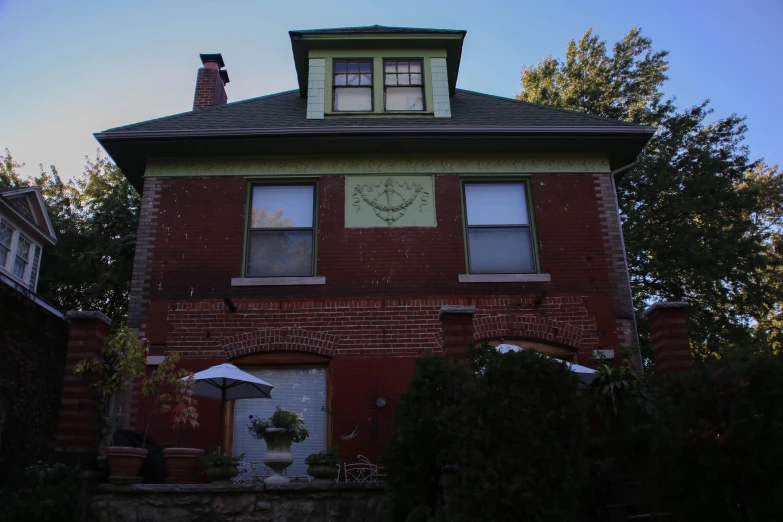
<point>504,278</point>
<point>278,281</point>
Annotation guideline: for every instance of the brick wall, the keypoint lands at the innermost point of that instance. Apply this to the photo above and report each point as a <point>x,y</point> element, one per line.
<point>379,309</point>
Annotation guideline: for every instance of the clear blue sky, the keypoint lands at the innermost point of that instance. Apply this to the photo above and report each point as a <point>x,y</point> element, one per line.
<point>74,68</point>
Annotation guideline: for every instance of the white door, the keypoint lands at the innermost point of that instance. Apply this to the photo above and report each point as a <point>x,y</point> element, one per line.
<point>298,390</point>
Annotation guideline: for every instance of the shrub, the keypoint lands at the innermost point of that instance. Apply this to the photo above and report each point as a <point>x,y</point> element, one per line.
<point>423,435</point>
<point>47,493</point>
<point>281,418</point>
<point>329,457</point>
<point>499,438</point>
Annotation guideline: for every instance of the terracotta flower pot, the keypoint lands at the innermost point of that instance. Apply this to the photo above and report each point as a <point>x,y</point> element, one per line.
<point>223,474</point>
<point>124,464</point>
<point>322,473</point>
<point>182,464</point>
<point>278,453</point>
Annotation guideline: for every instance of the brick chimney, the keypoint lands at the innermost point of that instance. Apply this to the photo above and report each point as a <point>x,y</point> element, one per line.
<point>669,333</point>
<point>457,329</point>
<point>211,82</point>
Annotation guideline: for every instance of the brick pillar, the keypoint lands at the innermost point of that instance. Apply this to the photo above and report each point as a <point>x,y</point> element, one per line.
<point>79,425</point>
<point>669,333</point>
<point>457,324</point>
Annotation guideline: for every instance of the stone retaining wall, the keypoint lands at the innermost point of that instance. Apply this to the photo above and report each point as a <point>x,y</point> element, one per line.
<point>341,502</point>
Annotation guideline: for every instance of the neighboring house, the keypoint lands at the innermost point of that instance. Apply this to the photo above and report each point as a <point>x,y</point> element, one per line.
<point>25,230</point>
<point>324,238</point>
<point>33,335</point>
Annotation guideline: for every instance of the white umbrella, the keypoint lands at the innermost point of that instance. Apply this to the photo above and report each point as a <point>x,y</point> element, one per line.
<point>226,382</point>
<point>585,374</point>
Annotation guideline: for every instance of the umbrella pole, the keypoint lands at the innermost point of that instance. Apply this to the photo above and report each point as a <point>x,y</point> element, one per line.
<point>223,418</point>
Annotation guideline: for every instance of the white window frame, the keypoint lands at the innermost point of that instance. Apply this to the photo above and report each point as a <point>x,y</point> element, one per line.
<point>8,269</point>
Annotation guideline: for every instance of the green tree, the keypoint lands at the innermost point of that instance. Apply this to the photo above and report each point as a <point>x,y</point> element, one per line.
<point>95,218</point>
<point>691,217</point>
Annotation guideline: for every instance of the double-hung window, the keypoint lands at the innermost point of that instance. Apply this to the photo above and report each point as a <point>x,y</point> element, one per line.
<point>352,85</point>
<point>500,239</point>
<point>22,258</point>
<point>403,85</point>
<point>280,240</point>
<point>6,234</point>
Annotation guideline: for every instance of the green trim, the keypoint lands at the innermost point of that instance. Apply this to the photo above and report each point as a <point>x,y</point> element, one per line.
<point>421,213</point>
<point>412,36</point>
<point>251,182</point>
<point>294,167</point>
<point>530,212</point>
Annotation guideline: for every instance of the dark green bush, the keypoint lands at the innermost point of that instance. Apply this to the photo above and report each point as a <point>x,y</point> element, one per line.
<point>422,441</point>
<point>47,493</point>
<point>722,458</point>
<point>497,439</point>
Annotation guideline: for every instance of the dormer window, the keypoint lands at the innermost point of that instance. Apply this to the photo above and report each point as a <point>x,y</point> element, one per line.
<point>353,85</point>
<point>403,85</point>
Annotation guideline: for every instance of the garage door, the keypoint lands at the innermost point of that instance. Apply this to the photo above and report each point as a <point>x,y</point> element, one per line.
<point>298,390</point>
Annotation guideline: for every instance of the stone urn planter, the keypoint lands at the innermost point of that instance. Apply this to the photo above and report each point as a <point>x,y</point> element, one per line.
<point>182,464</point>
<point>124,464</point>
<point>323,473</point>
<point>278,453</point>
<point>223,474</point>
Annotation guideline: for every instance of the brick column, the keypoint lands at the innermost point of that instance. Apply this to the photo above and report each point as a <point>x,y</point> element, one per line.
<point>79,425</point>
<point>457,324</point>
<point>669,333</point>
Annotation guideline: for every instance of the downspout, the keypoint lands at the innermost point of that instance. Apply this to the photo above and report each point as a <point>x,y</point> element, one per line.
<point>640,365</point>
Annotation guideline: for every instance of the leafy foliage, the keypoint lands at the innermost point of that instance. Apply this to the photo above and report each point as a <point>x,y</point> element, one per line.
<point>282,419</point>
<point>95,217</point>
<point>423,436</point>
<point>47,493</point>
<point>218,459</point>
<point>329,457</point>
<point>498,439</point>
<point>701,220</point>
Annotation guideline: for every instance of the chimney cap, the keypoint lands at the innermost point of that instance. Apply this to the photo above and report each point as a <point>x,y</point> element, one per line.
<point>224,76</point>
<point>214,58</point>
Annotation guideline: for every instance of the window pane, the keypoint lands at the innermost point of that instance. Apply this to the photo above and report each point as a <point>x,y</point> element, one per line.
<point>402,67</point>
<point>339,79</point>
<point>496,203</point>
<point>280,253</point>
<point>282,207</point>
<point>415,67</point>
<point>500,251</point>
<point>3,255</point>
<point>353,79</point>
<point>391,79</point>
<point>415,79</point>
<point>365,67</point>
<point>353,99</point>
<point>339,67</point>
<point>353,67</point>
<point>365,79</point>
<point>404,99</point>
<point>403,79</point>
<point>390,67</point>
<point>5,243</point>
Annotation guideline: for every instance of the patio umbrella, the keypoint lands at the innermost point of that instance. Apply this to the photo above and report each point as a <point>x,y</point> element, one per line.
<point>226,382</point>
<point>584,373</point>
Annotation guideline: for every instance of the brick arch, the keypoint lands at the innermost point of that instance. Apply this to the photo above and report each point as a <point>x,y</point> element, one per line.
<point>279,339</point>
<point>528,326</point>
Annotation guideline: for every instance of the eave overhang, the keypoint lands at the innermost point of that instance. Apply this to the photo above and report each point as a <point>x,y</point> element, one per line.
<point>132,149</point>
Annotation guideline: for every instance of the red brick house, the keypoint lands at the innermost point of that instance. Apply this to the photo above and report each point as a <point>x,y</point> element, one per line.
<point>325,237</point>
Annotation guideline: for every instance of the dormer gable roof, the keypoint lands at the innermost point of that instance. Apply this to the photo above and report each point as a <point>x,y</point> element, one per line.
<point>27,205</point>
<point>376,37</point>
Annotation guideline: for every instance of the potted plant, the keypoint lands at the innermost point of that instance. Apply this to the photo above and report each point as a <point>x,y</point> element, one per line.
<point>221,468</point>
<point>324,466</point>
<point>181,463</point>
<point>124,361</point>
<point>278,431</point>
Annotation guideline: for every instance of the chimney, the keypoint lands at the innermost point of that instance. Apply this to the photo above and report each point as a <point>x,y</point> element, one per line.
<point>211,82</point>
<point>669,333</point>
